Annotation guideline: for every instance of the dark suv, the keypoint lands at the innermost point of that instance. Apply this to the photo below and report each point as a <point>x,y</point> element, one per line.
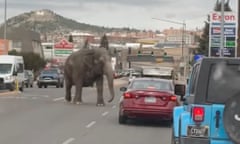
<point>51,76</point>
<point>211,110</point>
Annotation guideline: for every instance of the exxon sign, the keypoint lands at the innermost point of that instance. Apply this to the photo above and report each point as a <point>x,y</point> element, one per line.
<point>229,17</point>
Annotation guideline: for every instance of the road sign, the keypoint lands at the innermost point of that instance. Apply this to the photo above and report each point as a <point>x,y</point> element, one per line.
<point>63,52</point>
<point>63,44</point>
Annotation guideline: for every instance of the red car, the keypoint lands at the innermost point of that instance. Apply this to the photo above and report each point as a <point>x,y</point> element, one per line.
<point>150,98</point>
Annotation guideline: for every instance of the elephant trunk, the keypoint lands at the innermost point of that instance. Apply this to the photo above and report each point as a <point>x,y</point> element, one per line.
<point>109,75</point>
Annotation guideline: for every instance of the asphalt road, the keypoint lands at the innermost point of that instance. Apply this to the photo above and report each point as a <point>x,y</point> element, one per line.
<point>41,116</point>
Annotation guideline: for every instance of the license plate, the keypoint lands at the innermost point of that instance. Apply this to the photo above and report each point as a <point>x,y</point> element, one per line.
<point>198,131</point>
<point>150,100</point>
<point>47,78</point>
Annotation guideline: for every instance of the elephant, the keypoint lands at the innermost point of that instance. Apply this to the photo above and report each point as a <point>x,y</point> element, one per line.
<point>85,67</point>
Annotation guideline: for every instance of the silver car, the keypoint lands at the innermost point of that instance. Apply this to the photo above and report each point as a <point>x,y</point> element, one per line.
<point>29,78</point>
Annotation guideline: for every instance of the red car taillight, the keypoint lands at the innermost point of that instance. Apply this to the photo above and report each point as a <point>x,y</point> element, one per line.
<point>169,98</point>
<point>127,95</point>
<point>173,98</point>
<point>198,114</point>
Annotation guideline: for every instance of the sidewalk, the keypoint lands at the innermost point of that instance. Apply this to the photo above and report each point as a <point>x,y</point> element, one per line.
<point>9,93</point>
<point>120,81</point>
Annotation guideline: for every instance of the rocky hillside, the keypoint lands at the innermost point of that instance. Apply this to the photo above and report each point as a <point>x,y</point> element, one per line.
<point>46,21</point>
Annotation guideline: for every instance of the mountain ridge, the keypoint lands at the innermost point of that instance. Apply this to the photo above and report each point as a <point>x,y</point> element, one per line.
<point>47,21</point>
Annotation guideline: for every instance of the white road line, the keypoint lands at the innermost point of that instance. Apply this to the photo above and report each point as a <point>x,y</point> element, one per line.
<point>7,97</point>
<point>105,113</point>
<point>33,95</point>
<point>114,106</point>
<point>68,141</point>
<point>58,99</point>
<point>91,124</point>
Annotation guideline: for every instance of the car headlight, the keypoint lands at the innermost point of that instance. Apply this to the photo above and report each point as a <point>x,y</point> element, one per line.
<point>55,77</point>
<point>9,77</point>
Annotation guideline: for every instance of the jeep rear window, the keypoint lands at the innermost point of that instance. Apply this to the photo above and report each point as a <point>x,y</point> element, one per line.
<point>223,83</point>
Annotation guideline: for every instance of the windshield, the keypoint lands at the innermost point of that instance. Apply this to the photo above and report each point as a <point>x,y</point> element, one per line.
<point>151,84</point>
<point>224,82</point>
<point>5,68</point>
<point>49,71</point>
<point>157,72</point>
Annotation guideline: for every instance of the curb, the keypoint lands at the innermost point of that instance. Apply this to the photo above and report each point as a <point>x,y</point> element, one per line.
<point>9,93</point>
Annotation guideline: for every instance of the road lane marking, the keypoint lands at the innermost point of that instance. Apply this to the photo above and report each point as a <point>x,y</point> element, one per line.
<point>114,106</point>
<point>105,113</point>
<point>58,99</point>
<point>68,141</point>
<point>7,97</point>
<point>91,124</point>
<point>33,95</point>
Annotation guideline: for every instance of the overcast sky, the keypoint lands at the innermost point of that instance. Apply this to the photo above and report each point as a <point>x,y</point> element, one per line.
<point>121,13</point>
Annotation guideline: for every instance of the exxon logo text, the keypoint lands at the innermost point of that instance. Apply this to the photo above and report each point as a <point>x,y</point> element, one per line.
<point>228,17</point>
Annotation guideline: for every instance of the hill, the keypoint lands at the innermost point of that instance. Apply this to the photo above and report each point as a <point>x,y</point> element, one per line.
<point>47,21</point>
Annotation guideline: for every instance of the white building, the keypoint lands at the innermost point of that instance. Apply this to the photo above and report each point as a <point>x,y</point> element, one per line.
<point>48,50</point>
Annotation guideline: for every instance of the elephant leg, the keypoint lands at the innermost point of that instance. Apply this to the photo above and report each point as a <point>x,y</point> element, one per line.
<point>78,92</point>
<point>68,89</point>
<point>99,84</point>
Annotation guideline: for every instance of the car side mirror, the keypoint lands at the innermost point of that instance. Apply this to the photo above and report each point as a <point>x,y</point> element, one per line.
<point>187,80</point>
<point>123,89</point>
<point>15,73</point>
<point>179,89</point>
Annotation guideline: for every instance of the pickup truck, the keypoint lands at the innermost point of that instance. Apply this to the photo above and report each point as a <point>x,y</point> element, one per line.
<point>210,113</point>
<point>50,76</point>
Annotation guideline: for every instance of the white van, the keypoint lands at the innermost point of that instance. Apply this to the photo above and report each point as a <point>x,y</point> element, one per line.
<point>12,70</point>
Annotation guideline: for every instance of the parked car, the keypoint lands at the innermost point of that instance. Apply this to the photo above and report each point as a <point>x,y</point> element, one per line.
<point>133,75</point>
<point>210,110</point>
<point>50,76</point>
<point>11,71</point>
<point>29,78</point>
<point>147,98</point>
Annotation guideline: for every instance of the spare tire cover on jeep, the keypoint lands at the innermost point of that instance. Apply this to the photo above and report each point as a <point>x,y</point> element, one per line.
<point>231,118</point>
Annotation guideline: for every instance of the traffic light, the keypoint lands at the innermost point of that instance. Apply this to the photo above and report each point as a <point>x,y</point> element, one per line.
<point>115,51</point>
<point>164,54</point>
<point>152,53</point>
<point>129,50</point>
<point>139,53</point>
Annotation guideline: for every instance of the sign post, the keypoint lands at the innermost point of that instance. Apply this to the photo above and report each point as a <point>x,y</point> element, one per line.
<point>63,49</point>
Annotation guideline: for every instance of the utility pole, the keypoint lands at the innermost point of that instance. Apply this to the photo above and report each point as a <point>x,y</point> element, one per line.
<point>5,25</point>
<point>183,57</point>
<point>183,31</point>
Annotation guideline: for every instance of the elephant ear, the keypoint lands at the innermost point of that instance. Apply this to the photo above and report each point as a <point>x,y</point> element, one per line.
<point>88,59</point>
